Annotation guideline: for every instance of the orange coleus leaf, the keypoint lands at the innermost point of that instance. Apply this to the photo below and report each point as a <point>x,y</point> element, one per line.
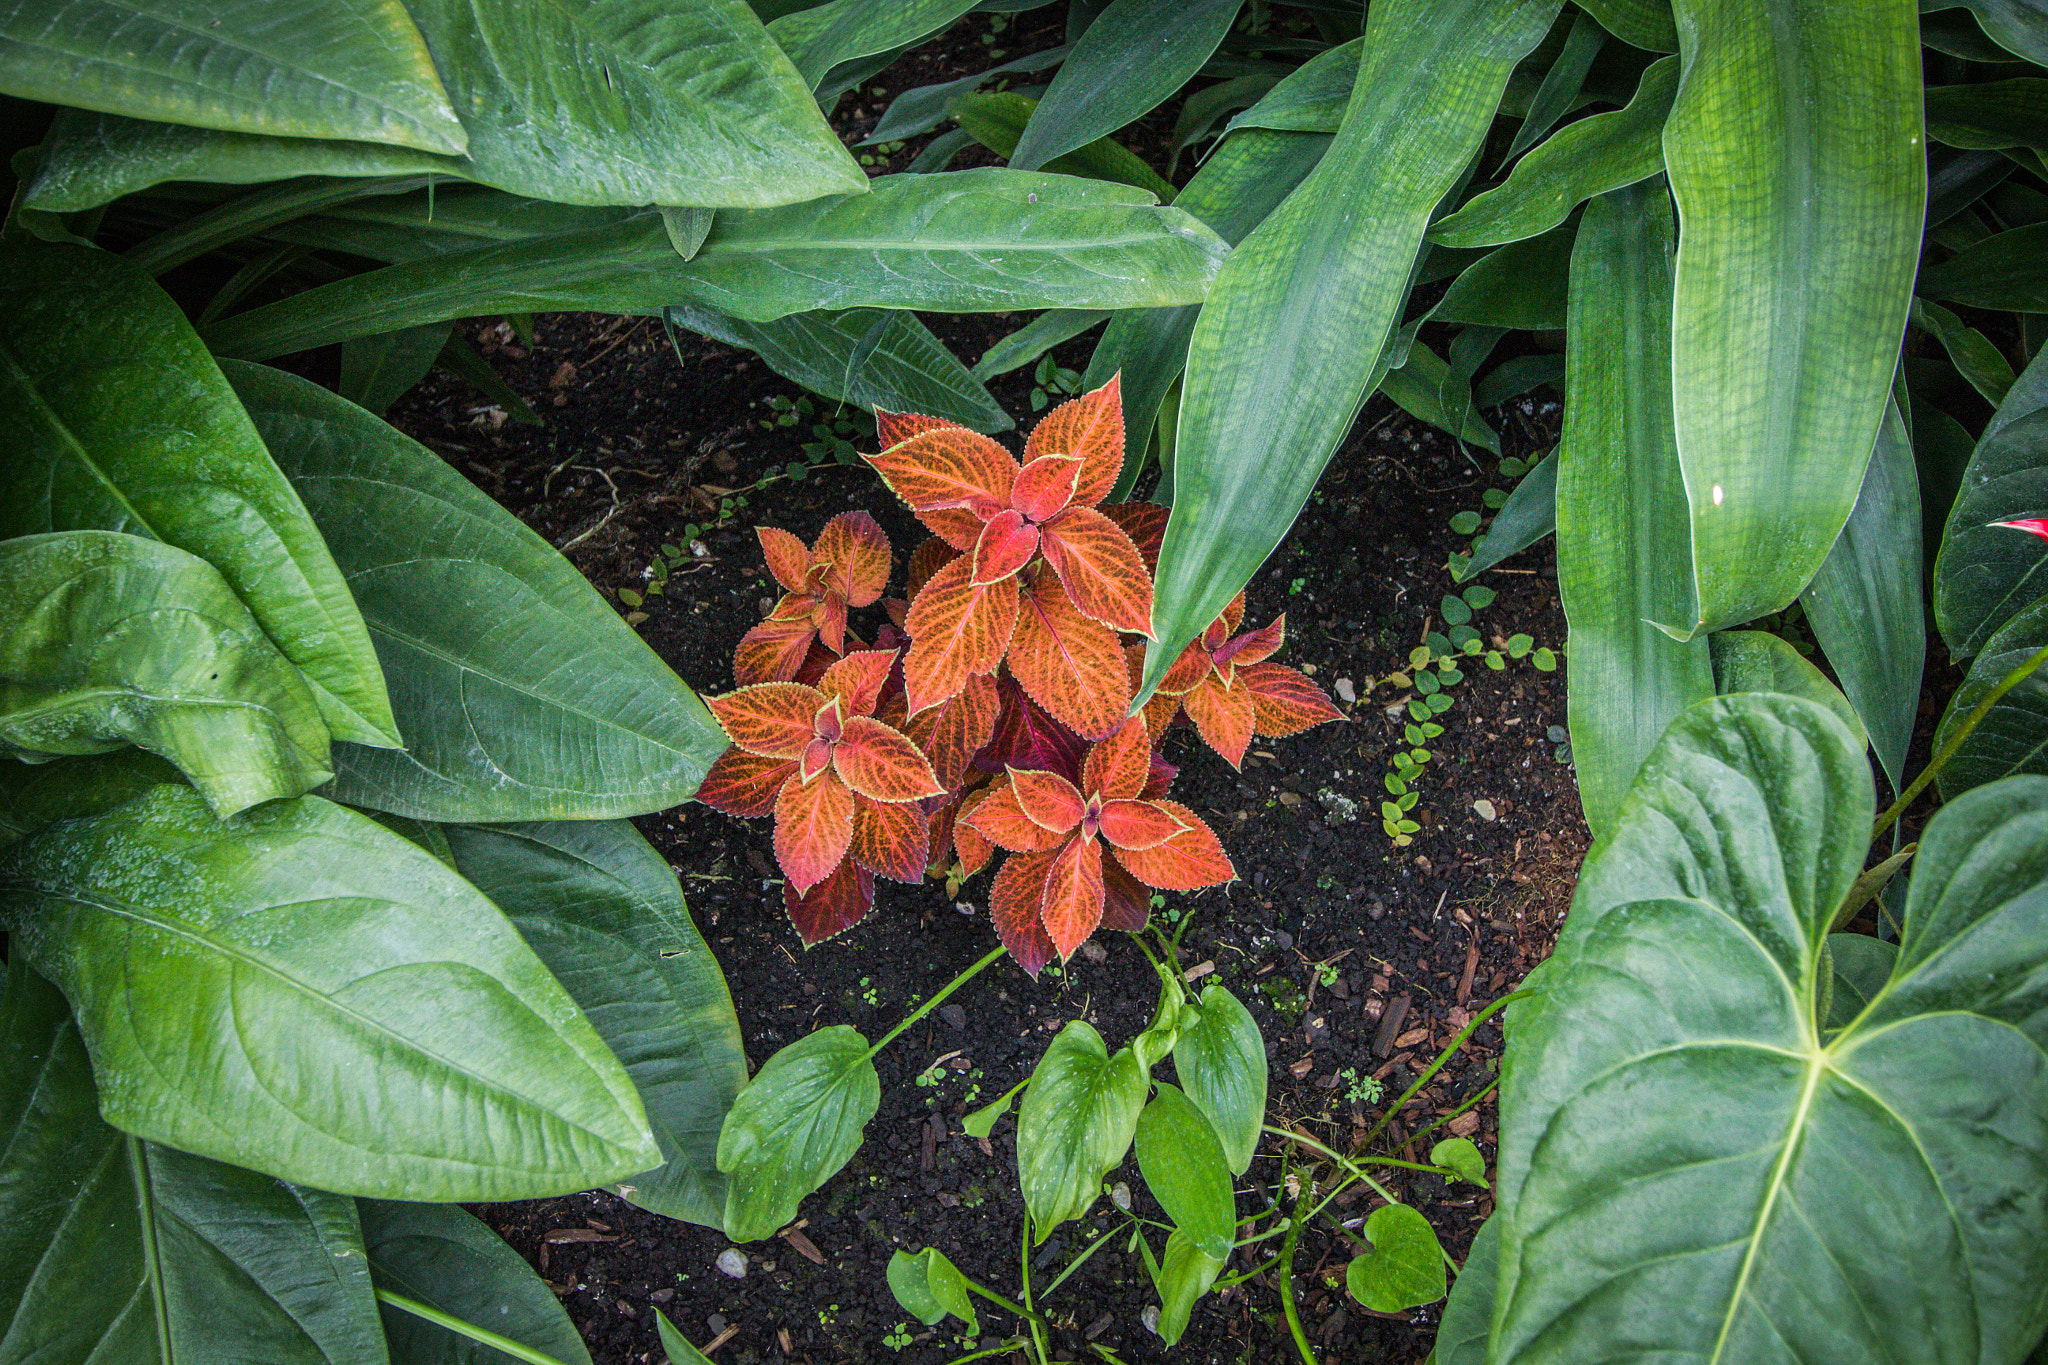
<point>788,559</point>
<point>833,906</point>
<point>1224,715</point>
<point>854,553</point>
<point>999,818</point>
<point>1138,825</point>
<point>1045,485</point>
<point>1254,646</point>
<point>973,848</point>
<point>892,428</point>
<point>1161,710</point>
<point>930,557</point>
<point>1006,544</point>
<point>1013,905</point>
<point>813,826</point>
<point>1047,799</point>
<point>1100,568</point>
<point>772,719</point>
<point>1286,702</point>
<point>1070,665</point>
<point>882,764</point>
<point>955,730</point>
<point>890,839</point>
<point>948,466</point>
<point>956,630</point>
<point>1191,859</point>
<point>773,651</point>
<point>1126,903</point>
<point>1071,905</point>
<point>1117,768</point>
<point>857,680</point>
<point>828,615</point>
<point>744,784</point>
<point>1092,427</point>
<point>1145,524</point>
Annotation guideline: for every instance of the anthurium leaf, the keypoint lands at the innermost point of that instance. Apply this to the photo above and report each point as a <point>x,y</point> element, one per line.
<point>2013,736</point>
<point>1290,339</point>
<point>1529,514</point>
<point>1076,1124</point>
<point>998,119</point>
<point>1865,604</point>
<point>523,695</point>
<point>440,1256</point>
<point>916,241</point>
<point>602,910</point>
<point>36,794</point>
<point>900,365</point>
<point>409,1041</point>
<point>1468,1315</point>
<point>1405,1266</point>
<point>2018,26</point>
<point>929,1286</point>
<point>1185,1274</point>
<point>1221,1062</point>
<point>1133,58</point>
<point>1312,98</point>
<point>108,640</point>
<point>1758,661</point>
<point>1184,1167</point>
<point>356,69</point>
<point>1794,153</point>
<point>1621,500</point>
<point>796,1123</point>
<point>1646,24</point>
<point>822,36</point>
<point>628,102</point>
<point>1676,1040</point>
<point>1986,573</point>
<point>122,422</point>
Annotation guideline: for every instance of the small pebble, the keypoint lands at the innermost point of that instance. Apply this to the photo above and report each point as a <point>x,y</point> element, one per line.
<point>732,1261</point>
<point>1484,809</point>
<point>716,1322</point>
<point>954,1015</point>
<point>1346,693</point>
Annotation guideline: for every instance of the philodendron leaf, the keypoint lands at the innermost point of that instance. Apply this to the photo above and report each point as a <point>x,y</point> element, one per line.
<point>602,910</point>
<point>1985,574</point>
<point>122,422</point>
<point>798,1121</point>
<point>1405,1266</point>
<point>1077,1122</point>
<point>523,696</point>
<point>929,1286</point>
<point>1184,1168</point>
<point>1758,661</point>
<point>2013,736</point>
<point>1688,1163</point>
<point>1185,1274</point>
<point>440,1256</point>
<point>1221,1062</point>
<point>302,992</point>
<point>108,640</point>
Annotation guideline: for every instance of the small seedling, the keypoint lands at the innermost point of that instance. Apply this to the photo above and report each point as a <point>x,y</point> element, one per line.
<point>898,1338</point>
<point>1050,383</point>
<point>1362,1089</point>
<point>1468,521</point>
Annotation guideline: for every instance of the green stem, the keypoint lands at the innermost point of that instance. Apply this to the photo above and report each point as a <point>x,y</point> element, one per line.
<point>1014,1343</point>
<point>1484,1091</point>
<point>1075,1264</point>
<point>516,1349</point>
<point>1948,750</point>
<point>1007,1305</point>
<point>1286,1271</point>
<point>1242,1276</point>
<point>1032,1320</point>
<point>1441,1058</point>
<point>928,1006</point>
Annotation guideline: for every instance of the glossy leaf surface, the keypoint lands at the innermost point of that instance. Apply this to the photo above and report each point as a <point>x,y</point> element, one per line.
<point>1185,1274</point>
<point>1757,661</point>
<point>1076,1124</point>
<point>930,1286</point>
<point>1986,573</point>
<point>1405,1266</point>
<point>445,1258</point>
<point>1184,1167</point>
<point>1221,1062</point>
<point>798,1121</point>
<point>2013,736</point>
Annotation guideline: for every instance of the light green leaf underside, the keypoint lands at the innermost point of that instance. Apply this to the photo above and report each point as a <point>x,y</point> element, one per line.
<point>443,1257</point>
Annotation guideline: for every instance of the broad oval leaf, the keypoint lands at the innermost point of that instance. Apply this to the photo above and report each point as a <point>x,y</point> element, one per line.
<point>442,1257</point>
<point>522,694</point>
<point>798,1121</point>
<point>33,795</point>
<point>1221,1062</point>
<point>1461,1334</point>
<point>1985,574</point>
<point>1405,1266</point>
<point>1184,1168</point>
<point>1185,1274</point>
<point>1460,1155</point>
<point>108,640</point>
<point>1758,661</point>
<point>1076,1124</point>
<point>929,1286</point>
<point>302,992</point>
<point>1686,1159</point>
<point>122,422</point>
<point>2013,736</point>
<point>602,910</point>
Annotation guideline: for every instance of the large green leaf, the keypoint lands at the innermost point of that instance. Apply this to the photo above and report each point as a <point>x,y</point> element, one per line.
<point>302,992</point>
<point>869,357</point>
<point>1529,514</point>
<point>108,640</point>
<point>354,69</point>
<point>2005,272</point>
<point>1986,573</point>
<point>987,240</point>
<point>1134,56</point>
<point>1689,1167</point>
<point>1520,285</point>
<point>1758,661</point>
<point>581,102</point>
<point>998,120</point>
<point>1794,151</point>
<point>1221,1062</point>
<point>823,36</point>
<point>1289,342</point>
<point>1462,1331</point>
<point>2013,736</point>
<point>446,1259</point>
<point>798,1121</point>
<point>1184,1168</point>
<point>36,794</point>
<point>1620,500</point>
<point>2018,26</point>
<point>1076,1124</point>
<point>120,1250</point>
<point>603,912</point>
<point>122,422</point>
<point>523,694</point>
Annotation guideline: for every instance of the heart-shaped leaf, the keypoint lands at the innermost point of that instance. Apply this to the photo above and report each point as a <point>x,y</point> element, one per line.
<point>798,1121</point>
<point>1405,1266</point>
<point>1460,1155</point>
<point>1221,1061</point>
<point>1184,1168</point>
<point>1077,1122</point>
<point>929,1286</point>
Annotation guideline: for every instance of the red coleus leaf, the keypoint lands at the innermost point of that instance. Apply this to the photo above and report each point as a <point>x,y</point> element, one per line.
<point>892,428</point>
<point>1047,799</point>
<point>947,466</point>
<point>813,826</point>
<point>773,651</point>
<point>854,553</point>
<point>955,730</point>
<point>771,719</point>
<point>744,784</point>
<point>1285,701</point>
<point>1071,905</point>
<point>1191,859</point>
<point>1117,768</point>
<point>1026,737</point>
<point>833,906</point>
<point>1254,646</point>
<point>1138,825</point>
<point>1091,427</point>
<point>882,764</point>
<point>1006,544</point>
<point>890,839</point>
<point>1126,904</point>
<point>1158,778</point>
<point>973,848</point>
<point>857,680</point>
<point>928,559</point>
<point>1070,665</point>
<point>1103,574</point>
<point>1014,908</point>
<point>820,658</point>
<point>1224,715</point>
<point>956,630</point>
<point>1045,486</point>
<point>999,818</point>
<point>788,560</point>
<point>1145,524</point>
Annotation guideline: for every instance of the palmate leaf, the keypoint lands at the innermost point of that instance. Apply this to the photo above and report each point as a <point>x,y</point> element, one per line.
<point>1690,1165</point>
<point>440,1256</point>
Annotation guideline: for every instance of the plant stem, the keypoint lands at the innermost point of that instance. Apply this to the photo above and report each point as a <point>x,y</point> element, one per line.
<point>1484,1091</point>
<point>1032,1320</point>
<point>1286,1273</point>
<point>1003,1349</point>
<point>516,1349</point>
<point>1441,1058</point>
<point>928,1006</point>
<point>1242,1276</point>
<point>1948,750</point>
<point>1007,1305</point>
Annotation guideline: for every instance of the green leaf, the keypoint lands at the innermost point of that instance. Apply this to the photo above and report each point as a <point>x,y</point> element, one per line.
<point>1460,1155</point>
<point>446,1259</point>
<point>601,909</point>
<point>1310,99</point>
<point>687,228</point>
<point>675,1345</point>
<point>108,640</point>
<point>1794,154</point>
<point>409,1042</point>
<point>1676,1040</point>
<point>377,370</point>
<point>36,794</point>
<point>917,241</point>
<point>1468,1315</point>
<point>1861,966</point>
<point>999,119</point>
<point>1757,661</point>
<point>354,69</point>
<point>2013,736</point>
<point>2001,272</point>
<point>1646,24</point>
<point>1865,603</point>
<point>929,1286</point>
<point>522,693</point>
<point>981,1122</point>
<point>1418,388</point>
<point>2018,26</point>
<point>1522,284</point>
<point>1580,161</point>
<point>631,102</point>
<point>1025,345</point>
<point>122,422</point>
<point>1990,114</point>
<point>1289,342</point>
<point>1185,1274</point>
<point>821,37</point>
<point>1454,610</point>
<point>865,356</point>
<point>916,112</point>
<point>1969,350</point>
<point>1131,59</point>
<point>1529,515</point>
<point>1405,1267</point>
<point>1184,1167</point>
<point>1562,84</point>
<point>797,1122</point>
<point>1621,505</point>
<point>1076,1124</point>
<point>1465,523</point>
<point>1985,573</point>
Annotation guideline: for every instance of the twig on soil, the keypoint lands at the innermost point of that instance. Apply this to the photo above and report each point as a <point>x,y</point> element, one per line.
<point>603,521</point>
